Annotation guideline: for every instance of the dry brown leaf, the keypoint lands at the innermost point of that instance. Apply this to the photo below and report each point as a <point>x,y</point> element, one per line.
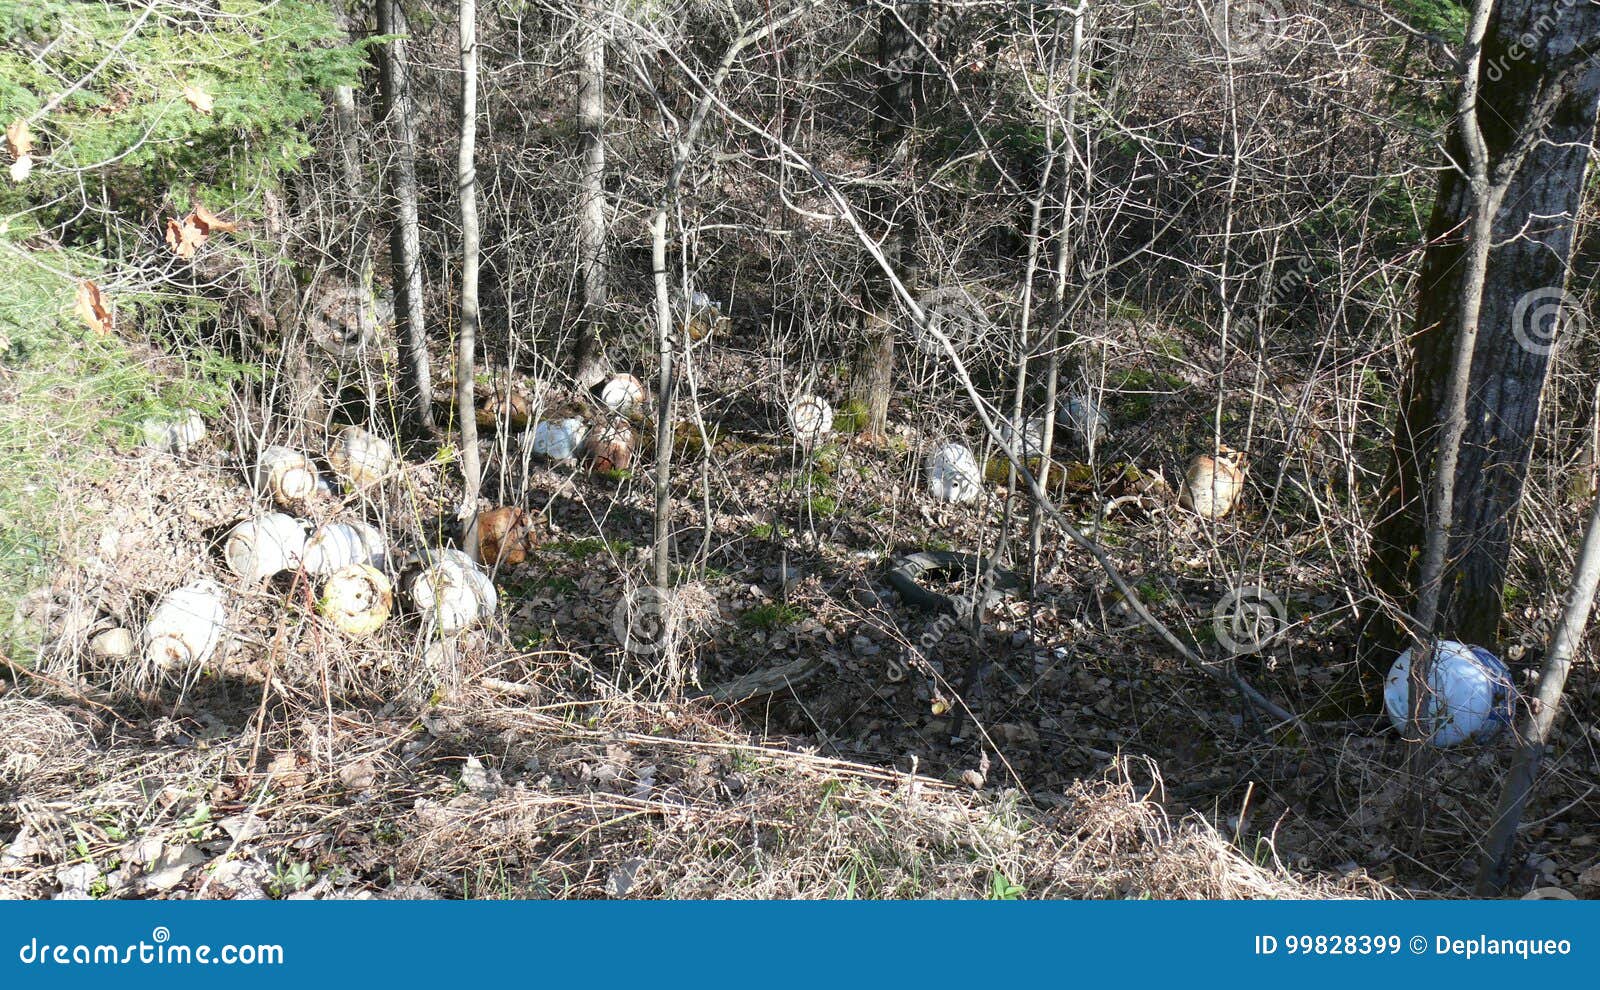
<point>210,223</point>
<point>184,238</point>
<point>92,308</point>
<point>198,98</point>
<point>21,168</point>
<point>19,140</point>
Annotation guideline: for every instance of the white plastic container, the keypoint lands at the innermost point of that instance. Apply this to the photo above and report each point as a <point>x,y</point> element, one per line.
<point>953,474</point>
<point>185,627</point>
<point>811,419</point>
<point>341,544</point>
<point>269,544</point>
<point>1471,696</point>
<point>360,457</point>
<point>451,591</point>
<point>284,475</point>
<point>1085,418</point>
<point>558,439</point>
<point>175,432</point>
<point>1030,439</point>
<point>623,395</point>
<point>357,599</point>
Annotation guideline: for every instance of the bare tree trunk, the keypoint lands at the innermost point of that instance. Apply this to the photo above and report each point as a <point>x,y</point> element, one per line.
<point>1062,268</point>
<point>658,265</point>
<point>1494,868</point>
<point>405,239</point>
<point>1545,92</point>
<point>587,353</point>
<point>344,109</point>
<point>467,182</point>
<point>1453,412</point>
<point>872,375</point>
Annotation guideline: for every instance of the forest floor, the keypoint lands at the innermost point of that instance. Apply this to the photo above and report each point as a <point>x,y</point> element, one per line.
<point>1077,757</point>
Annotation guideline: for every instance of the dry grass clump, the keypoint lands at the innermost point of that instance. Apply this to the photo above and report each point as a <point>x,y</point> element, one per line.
<point>691,811</point>
<point>33,736</point>
<point>485,797</point>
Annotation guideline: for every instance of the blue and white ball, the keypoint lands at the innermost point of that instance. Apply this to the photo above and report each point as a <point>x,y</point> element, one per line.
<point>1471,695</point>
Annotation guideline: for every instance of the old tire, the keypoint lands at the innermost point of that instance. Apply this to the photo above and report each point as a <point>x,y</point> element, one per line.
<point>907,573</point>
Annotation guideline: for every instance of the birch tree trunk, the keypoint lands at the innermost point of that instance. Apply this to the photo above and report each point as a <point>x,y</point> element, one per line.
<point>405,238</point>
<point>593,259</point>
<point>467,182</point>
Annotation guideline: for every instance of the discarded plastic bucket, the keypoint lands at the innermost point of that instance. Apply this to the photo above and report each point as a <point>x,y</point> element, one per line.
<point>811,419</point>
<point>1470,694</point>
<point>284,475</point>
<point>450,590</point>
<point>174,432</point>
<point>185,627</point>
<point>361,457</point>
<point>623,395</point>
<point>1213,484</point>
<point>341,544</point>
<point>1086,420</point>
<point>558,439</point>
<point>953,474</point>
<point>357,599</point>
<point>269,544</point>
<point>609,447</point>
<point>1029,439</point>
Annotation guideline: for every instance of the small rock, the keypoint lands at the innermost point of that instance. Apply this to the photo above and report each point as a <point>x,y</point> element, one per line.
<point>25,846</point>
<point>862,646</point>
<point>142,851</point>
<point>75,882</point>
<point>172,867</point>
<point>621,879</point>
<point>477,779</point>
<point>359,775</point>
<point>114,643</point>
<point>241,828</point>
